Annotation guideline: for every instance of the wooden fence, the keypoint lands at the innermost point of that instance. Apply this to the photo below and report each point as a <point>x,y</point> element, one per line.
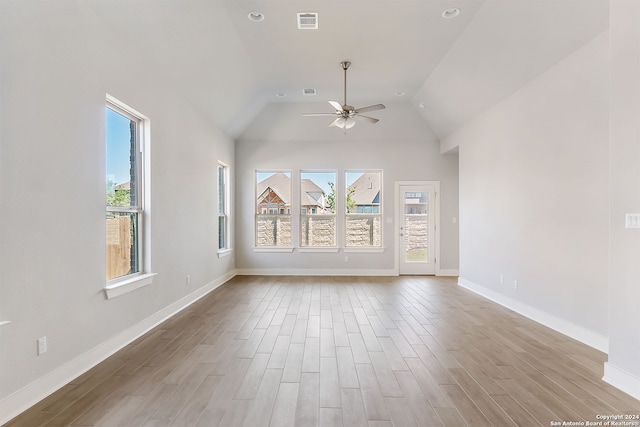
<point>118,246</point>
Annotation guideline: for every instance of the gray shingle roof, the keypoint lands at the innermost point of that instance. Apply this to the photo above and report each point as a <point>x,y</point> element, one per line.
<point>279,183</point>
<point>367,189</point>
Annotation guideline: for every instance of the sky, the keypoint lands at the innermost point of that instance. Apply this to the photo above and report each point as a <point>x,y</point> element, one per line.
<point>118,147</point>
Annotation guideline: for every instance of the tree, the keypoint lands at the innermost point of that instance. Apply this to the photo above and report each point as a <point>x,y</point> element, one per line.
<point>331,198</point>
<point>117,197</point>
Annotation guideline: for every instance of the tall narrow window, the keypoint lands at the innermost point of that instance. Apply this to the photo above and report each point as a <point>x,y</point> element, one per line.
<point>124,192</point>
<point>363,195</point>
<point>317,209</point>
<point>273,209</point>
<point>223,214</point>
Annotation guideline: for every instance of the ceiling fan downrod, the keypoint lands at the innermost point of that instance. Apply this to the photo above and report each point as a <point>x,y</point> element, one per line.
<point>345,66</point>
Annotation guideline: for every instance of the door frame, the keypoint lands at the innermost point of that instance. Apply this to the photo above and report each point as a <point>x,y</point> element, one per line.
<point>436,213</point>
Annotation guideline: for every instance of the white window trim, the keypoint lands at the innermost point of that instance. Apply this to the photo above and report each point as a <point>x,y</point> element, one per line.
<point>274,249</point>
<point>128,284</point>
<point>222,252</point>
<point>364,249</point>
<point>282,249</point>
<point>335,247</point>
<point>125,284</point>
<point>326,249</point>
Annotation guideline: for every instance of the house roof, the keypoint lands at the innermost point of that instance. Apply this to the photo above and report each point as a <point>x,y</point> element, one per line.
<point>367,189</point>
<point>280,183</point>
<point>306,188</point>
<point>124,186</point>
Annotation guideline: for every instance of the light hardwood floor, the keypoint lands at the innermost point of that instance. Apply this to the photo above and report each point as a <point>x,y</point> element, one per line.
<point>340,351</point>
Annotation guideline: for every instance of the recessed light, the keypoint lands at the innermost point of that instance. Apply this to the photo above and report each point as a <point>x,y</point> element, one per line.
<point>421,105</point>
<point>255,16</point>
<point>451,13</point>
<point>281,94</point>
<point>399,93</point>
<point>309,92</point>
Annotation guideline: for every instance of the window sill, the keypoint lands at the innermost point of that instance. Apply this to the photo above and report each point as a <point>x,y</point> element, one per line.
<point>377,250</point>
<point>273,249</point>
<point>224,253</point>
<point>318,249</point>
<point>125,286</point>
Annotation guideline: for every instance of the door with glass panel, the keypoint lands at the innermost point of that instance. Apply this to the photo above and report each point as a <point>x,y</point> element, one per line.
<point>416,228</point>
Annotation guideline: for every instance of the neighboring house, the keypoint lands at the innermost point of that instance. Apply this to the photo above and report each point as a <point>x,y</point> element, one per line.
<point>313,199</point>
<point>274,196</point>
<point>124,186</point>
<point>366,193</point>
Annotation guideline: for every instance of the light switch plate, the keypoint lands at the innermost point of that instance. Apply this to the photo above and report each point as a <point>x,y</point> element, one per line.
<point>632,220</point>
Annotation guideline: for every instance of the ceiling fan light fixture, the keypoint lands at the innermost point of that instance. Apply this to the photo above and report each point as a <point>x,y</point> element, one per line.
<point>451,13</point>
<point>345,123</point>
<point>255,16</point>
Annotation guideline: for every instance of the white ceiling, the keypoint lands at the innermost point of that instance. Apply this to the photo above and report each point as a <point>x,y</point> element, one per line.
<point>230,67</point>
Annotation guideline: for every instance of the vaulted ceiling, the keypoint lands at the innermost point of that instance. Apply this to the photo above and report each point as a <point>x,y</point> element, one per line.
<point>230,67</point>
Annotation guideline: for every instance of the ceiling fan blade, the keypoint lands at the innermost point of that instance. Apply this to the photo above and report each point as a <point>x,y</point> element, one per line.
<point>336,105</point>
<point>371,108</point>
<point>366,118</point>
<point>319,114</point>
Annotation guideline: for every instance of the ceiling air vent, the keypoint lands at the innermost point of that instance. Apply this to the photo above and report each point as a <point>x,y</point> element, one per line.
<point>309,92</point>
<point>308,21</point>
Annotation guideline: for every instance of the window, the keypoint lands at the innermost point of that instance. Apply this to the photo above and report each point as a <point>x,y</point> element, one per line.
<point>273,209</point>
<point>317,209</point>
<point>223,214</point>
<point>124,192</point>
<point>363,195</point>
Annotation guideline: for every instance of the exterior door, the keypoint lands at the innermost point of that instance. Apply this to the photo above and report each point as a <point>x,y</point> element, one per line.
<point>416,228</point>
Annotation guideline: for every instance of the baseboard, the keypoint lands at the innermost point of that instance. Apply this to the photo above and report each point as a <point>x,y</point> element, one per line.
<point>622,380</point>
<point>448,272</point>
<point>14,404</point>
<point>312,272</point>
<point>563,326</point>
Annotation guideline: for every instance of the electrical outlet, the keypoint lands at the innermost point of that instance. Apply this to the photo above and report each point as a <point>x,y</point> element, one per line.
<point>515,284</point>
<point>501,279</point>
<point>188,280</point>
<point>42,345</point>
<point>346,258</point>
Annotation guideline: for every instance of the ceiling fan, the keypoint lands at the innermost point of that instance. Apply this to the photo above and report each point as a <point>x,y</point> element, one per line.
<point>347,115</point>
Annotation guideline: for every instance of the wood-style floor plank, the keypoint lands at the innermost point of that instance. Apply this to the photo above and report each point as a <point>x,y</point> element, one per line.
<point>340,351</point>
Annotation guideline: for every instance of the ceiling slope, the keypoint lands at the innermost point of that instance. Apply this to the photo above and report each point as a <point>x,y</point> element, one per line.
<point>230,68</point>
<point>507,44</point>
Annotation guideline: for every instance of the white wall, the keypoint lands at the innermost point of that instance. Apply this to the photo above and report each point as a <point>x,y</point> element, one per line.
<point>401,144</point>
<point>533,197</point>
<point>59,59</point>
<point>623,367</point>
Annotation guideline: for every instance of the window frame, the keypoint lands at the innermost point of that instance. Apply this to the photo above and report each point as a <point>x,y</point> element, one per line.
<point>223,206</point>
<point>304,212</point>
<point>379,214</point>
<point>123,284</point>
<point>265,211</point>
